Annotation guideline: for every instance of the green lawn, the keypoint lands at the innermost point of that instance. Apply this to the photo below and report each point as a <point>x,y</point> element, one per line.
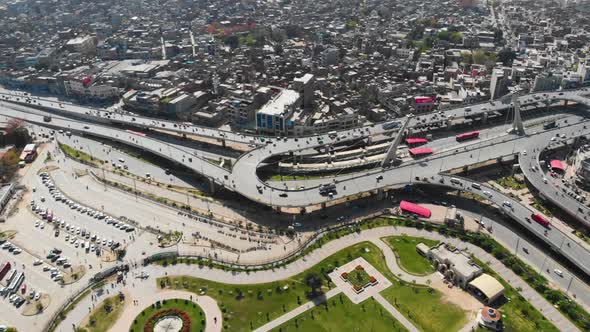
<point>261,303</point>
<point>100,319</point>
<point>518,314</point>
<point>192,309</point>
<point>424,306</point>
<point>407,256</point>
<point>77,154</point>
<point>509,182</point>
<point>340,314</point>
<point>538,204</point>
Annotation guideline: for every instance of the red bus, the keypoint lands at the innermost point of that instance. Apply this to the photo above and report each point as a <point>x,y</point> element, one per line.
<point>466,136</point>
<point>541,220</point>
<point>416,141</point>
<point>4,269</point>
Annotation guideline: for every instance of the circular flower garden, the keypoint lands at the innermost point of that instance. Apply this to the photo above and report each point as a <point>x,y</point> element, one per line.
<point>175,315</point>
<point>154,323</point>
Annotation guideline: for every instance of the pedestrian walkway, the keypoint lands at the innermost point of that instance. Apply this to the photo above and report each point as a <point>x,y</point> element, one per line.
<point>372,235</point>
<point>207,304</point>
<point>393,311</point>
<point>298,311</point>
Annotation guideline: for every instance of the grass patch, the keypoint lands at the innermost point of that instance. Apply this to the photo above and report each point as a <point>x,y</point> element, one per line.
<point>79,155</point>
<point>340,314</point>
<point>104,316</point>
<point>408,258</point>
<point>510,182</point>
<point>358,277</point>
<point>425,307</point>
<point>538,204</point>
<point>246,307</point>
<point>196,315</point>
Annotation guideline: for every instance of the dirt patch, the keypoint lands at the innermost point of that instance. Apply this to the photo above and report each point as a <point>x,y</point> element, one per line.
<point>47,169</point>
<point>80,172</point>
<point>31,307</point>
<point>73,274</point>
<point>7,235</point>
<point>458,296</point>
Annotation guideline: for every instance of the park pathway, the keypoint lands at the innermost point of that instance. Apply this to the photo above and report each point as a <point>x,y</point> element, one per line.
<point>393,311</point>
<point>316,256</point>
<point>298,311</point>
<point>146,297</point>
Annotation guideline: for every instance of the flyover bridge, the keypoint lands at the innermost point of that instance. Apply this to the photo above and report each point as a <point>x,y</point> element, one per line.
<point>243,180</point>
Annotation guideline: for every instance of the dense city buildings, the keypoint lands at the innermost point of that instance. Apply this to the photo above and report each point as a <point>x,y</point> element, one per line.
<point>294,165</point>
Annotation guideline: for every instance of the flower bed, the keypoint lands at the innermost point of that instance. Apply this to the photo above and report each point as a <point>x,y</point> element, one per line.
<point>151,322</point>
<point>359,278</point>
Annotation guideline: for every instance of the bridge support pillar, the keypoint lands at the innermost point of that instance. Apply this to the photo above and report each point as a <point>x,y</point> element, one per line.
<point>517,126</point>
<point>484,119</point>
<point>380,194</point>
<point>323,205</point>
<point>391,156</point>
<point>223,143</point>
<point>565,102</point>
<point>211,186</point>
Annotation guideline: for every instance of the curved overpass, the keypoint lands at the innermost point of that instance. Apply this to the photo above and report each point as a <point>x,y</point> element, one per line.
<point>241,179</point>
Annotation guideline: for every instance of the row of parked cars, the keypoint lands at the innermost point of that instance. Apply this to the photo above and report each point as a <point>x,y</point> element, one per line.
<point>14,249</point>
<point>58,196</point>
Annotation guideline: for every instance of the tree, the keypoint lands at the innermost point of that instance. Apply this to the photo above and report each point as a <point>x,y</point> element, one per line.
<point>506,56</point>
<point>479,57</point>
<point>466,58</point>
<point>456,37</point>
<point>315,283</point>
<point>232,41</point>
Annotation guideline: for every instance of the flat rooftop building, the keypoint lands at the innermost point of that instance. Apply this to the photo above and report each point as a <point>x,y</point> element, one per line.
<point>455,264</point>
<point>275,115</point>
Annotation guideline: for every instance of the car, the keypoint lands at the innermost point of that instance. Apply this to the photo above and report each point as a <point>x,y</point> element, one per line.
<point>37,296</point>
<point>37,262</point>
<point>283,195</point>
<point>37,223</point>
<point>42,199</point>
<point>524,152</point>
<point>17,251</point>
<point>46,268</point>
<point>558,272</point>
<point>42,225</point>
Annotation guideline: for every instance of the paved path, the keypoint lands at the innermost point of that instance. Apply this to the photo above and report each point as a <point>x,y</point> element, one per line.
<point>298,311</point>
<point>393,266</point>
<point>206,303</point>
<point>334,246</point>
<point>393,311</point>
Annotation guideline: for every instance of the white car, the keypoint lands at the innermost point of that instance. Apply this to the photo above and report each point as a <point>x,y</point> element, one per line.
<point>37,223</point>
<point>545,179</point>
<point>558,272</point>
<point>37,262</point>
<point>524,152</point>
<point>42,225</point>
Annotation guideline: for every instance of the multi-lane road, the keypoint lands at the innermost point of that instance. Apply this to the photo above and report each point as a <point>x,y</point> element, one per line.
<point>242,177</point>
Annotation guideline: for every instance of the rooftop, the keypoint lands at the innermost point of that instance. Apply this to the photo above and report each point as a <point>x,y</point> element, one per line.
<point>280,102</point>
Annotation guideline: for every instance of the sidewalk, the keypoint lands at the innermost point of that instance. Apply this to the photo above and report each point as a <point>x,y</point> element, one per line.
<point>298,311</point>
